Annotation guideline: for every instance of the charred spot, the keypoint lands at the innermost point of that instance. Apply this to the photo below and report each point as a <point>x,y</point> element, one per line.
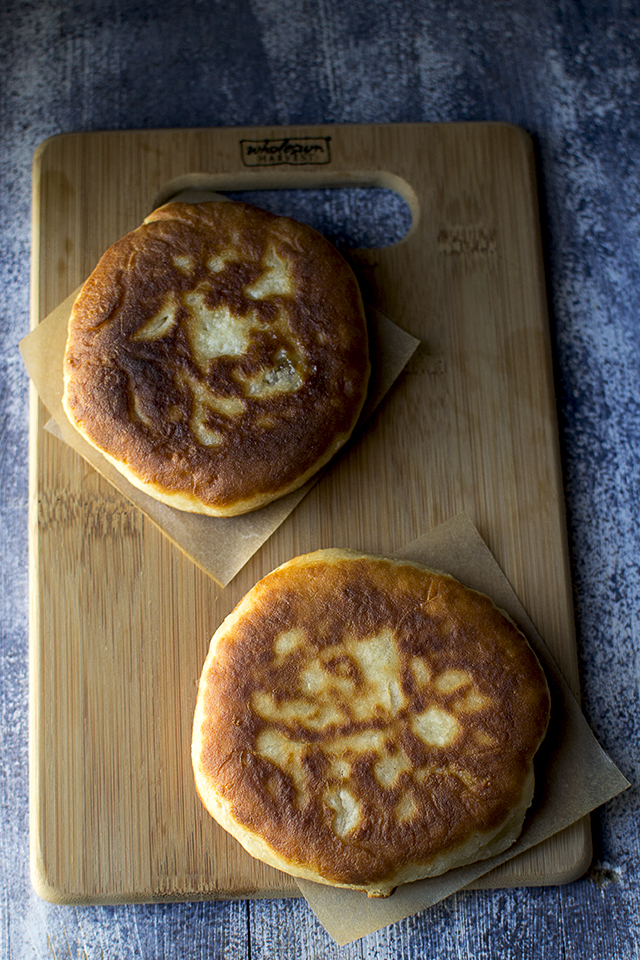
<point>344,667</point>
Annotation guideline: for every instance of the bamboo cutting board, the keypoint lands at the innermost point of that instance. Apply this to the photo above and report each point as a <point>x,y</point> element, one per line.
<point>121,620</point>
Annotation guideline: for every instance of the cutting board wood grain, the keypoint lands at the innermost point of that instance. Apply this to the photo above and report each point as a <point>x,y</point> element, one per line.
<point>121,619</point>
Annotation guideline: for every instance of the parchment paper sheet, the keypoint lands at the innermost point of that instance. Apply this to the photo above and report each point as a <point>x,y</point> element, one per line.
<point>573,774</point>
<point>219,545</point>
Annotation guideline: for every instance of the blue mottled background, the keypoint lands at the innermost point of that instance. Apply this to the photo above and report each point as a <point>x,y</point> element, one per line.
<point>569,73</point>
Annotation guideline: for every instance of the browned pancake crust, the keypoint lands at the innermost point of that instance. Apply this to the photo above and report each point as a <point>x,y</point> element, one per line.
<point>135,386</point>
<point>442,633</point>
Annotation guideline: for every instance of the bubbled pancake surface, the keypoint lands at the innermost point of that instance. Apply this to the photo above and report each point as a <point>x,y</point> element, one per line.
<point>365,722</point>
<point>217,355</point>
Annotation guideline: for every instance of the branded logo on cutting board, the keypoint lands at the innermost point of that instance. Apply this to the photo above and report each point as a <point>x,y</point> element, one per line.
<point>292,150</point>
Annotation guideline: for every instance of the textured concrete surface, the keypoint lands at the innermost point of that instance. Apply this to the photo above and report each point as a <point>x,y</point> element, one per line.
<point>569,73</point>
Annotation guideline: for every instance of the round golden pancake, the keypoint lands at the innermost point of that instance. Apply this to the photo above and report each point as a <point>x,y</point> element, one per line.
<point>364,722</point>
<point>217,356</point>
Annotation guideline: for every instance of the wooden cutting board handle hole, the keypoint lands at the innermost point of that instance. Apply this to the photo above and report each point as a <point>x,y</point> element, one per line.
<point>362,216</point>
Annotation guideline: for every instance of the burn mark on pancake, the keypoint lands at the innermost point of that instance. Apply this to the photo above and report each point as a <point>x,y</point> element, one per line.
<point>287,642</point>
<point>207,410</point>
<point>341,665</point>
<point>283,376</point>
<point>346,810</point>
<point>420,670</point>
<point>216,331</point>
<point>301,712</point>
<point>137,411</point>
<point>378,660</point>
<point>472,702</point>
<point>277,748</point>
<point>406,809</point>
<point>390,766</point>
<point>185,264</point>
<point>277,278</point>
<point>353,745</point>
<point>451,680</point>
<point>218,261</point>
<point>436,727</point>
<point>161,324</point>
